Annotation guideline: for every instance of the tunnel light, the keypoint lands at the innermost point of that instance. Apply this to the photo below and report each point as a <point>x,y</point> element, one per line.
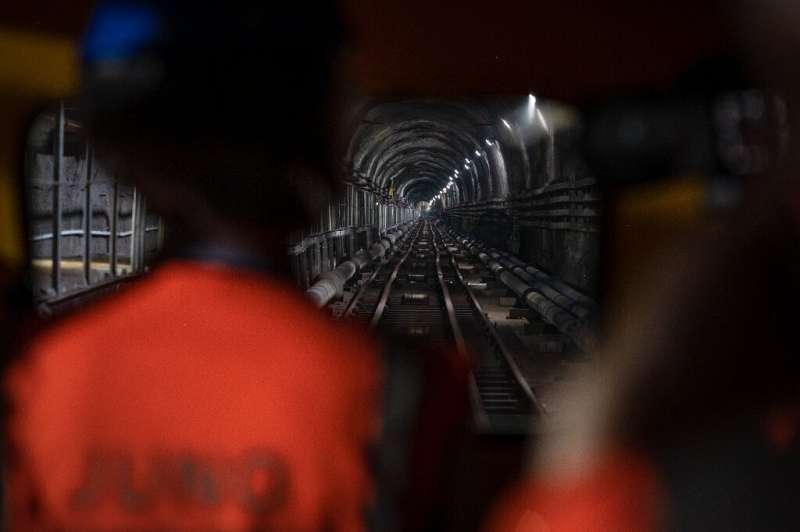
<point>505,123</point>
<point>542,120</point>
<point>466,167</point>
<point>531,107</point>
<point>477,153</point>
<point>489,143</point>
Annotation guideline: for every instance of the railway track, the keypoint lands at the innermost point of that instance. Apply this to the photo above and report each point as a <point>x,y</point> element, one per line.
<point>422,292</point>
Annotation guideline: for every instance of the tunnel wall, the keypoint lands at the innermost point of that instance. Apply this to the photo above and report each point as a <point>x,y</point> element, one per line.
<point>72,205</point>
<point>349,223</point>
<point>550,216</point>
<point>86,259</point>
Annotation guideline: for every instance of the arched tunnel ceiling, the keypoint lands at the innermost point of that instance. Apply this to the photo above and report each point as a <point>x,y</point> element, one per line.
<point>414,147</point>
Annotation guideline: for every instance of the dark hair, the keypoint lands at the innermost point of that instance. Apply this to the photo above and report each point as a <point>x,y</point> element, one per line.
<point>230,100</point>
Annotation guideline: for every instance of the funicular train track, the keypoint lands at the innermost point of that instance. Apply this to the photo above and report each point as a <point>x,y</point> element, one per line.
<point>421,292</point>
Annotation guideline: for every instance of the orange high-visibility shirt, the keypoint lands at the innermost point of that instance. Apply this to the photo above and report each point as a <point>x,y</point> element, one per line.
<point>620,494</point>
<point>202,398</point>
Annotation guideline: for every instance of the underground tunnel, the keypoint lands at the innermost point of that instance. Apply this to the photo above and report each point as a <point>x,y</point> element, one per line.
<point>478,240</point>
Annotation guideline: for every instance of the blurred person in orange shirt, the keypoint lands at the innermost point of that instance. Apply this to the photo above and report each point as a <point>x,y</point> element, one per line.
<point>210,395</point>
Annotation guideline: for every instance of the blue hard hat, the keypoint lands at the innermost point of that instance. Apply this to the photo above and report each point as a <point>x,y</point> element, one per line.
<point>224,58</point>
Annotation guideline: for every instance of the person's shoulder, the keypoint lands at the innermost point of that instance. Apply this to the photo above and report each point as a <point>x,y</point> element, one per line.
<point>346,359</point>
<point>269,308</point>
<point>278,299</point>
<point>61,348</point>
<point>78,330</point>
<point>205,301</point>
<point>347,349</point>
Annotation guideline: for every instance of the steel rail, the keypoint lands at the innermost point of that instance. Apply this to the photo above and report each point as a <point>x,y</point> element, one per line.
<point>354,301</point>
<point>498,406</point>
<point>496,339</point>
<point>387,289</point>
<point>482,421</point>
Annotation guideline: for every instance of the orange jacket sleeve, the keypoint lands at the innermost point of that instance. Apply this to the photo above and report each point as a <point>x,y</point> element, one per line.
<point>620,494</point>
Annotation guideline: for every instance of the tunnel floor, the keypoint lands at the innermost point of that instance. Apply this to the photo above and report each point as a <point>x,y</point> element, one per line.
<point>542,357</point>
<point>401,295</point>
<point>439,289</point>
